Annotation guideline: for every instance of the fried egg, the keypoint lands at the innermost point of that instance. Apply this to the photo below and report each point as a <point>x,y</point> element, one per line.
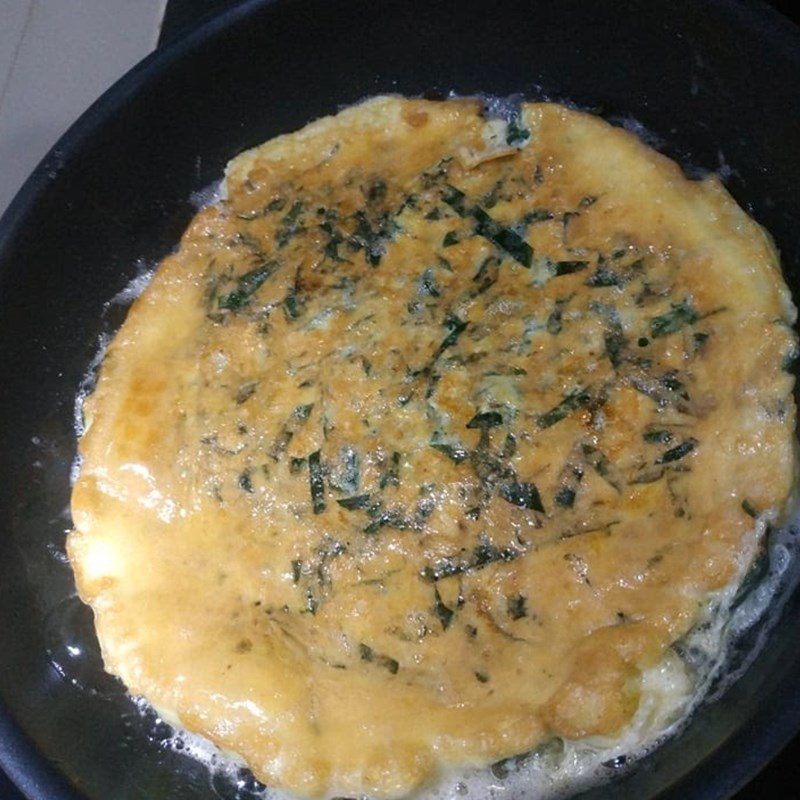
<point>432,438</point>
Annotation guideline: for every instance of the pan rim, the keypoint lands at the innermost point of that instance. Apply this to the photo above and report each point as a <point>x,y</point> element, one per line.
<point>35,775</point>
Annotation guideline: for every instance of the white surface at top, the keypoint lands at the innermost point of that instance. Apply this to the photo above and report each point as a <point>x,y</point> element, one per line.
<point>56,58</point>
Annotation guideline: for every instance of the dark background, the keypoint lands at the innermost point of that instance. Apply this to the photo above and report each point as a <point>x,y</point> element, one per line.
<point>781,778</point>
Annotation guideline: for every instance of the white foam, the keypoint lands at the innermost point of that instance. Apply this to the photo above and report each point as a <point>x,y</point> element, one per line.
<point>135,286</point>
<point>207,196</point>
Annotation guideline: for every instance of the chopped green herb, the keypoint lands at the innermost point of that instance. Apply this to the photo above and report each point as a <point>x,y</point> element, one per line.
<point>678,452</point>
<point>247,285</point>
<point>390,518</point>
<point>516,607</point>
<point>509,446</point>
<point>290,224</point>
<point>485,226</point>
<point>297,570</point>
<point>316,482</point>
<point>455,199</point>
<point>376,191</point>
<point>749,509</point>
<point>504,238</point>
<point>444,613</point>
<point>426,503</point>
<point>487,274</point>
<point>524,495</point>
<point>565,497</point>
<point>700,339</point>
<point>296,465</point>
<point>666,390</point>
<point>454,451</point>
<point>245,482</point>
<point>457,327</point>
<point>489,200</point>
<point>680,315</point>
<point>335,238</point>
<point>354,503</point>
<point>483,555</point>
<point>298,418</point>
<point>311,602</point>
<point>302,413</point>
<point>587,201</point>
<point>657,437</point>
<point>294,304</point>
<point>245,392</point>
<point>391,476</point>
<point>427,284</point>
<point>537,215</point>
<point>372,240</point>
<point>486,553</point>
<point>485,420</point>
<point>643,341</point>
<point>450,238</point>
<point>488,469</point>
<point>598,460</point>
<point>510,370</point>
<point>573,401</point>
<point>516,135</point>
<point>568,267</point>
<point>368,654</point>
<point>435,176</point>
<point>555,320</point>
<point>365,652</point>
<point>390,664</point>
<point>482,677</point>
<point>615,343</point>
<point>603,276</point>
<point>614,337</point>
<point>411,201</point>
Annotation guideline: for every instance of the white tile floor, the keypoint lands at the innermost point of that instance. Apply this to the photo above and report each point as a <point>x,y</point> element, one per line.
<point>56,58</point>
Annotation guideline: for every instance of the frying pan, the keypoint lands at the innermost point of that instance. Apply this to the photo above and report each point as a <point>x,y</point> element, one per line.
<point>714,84</point>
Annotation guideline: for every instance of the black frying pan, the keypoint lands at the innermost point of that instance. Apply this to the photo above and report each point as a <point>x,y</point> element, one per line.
<point>715,81</point>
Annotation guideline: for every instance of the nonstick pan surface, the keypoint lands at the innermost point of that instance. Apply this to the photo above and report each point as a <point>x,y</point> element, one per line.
<point>713,83</point>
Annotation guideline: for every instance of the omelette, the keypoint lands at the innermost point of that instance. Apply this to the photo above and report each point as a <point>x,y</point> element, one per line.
<point>431,439</point>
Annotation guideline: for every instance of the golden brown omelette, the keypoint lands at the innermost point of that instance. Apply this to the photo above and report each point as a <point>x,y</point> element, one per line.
<point>433,436</point>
